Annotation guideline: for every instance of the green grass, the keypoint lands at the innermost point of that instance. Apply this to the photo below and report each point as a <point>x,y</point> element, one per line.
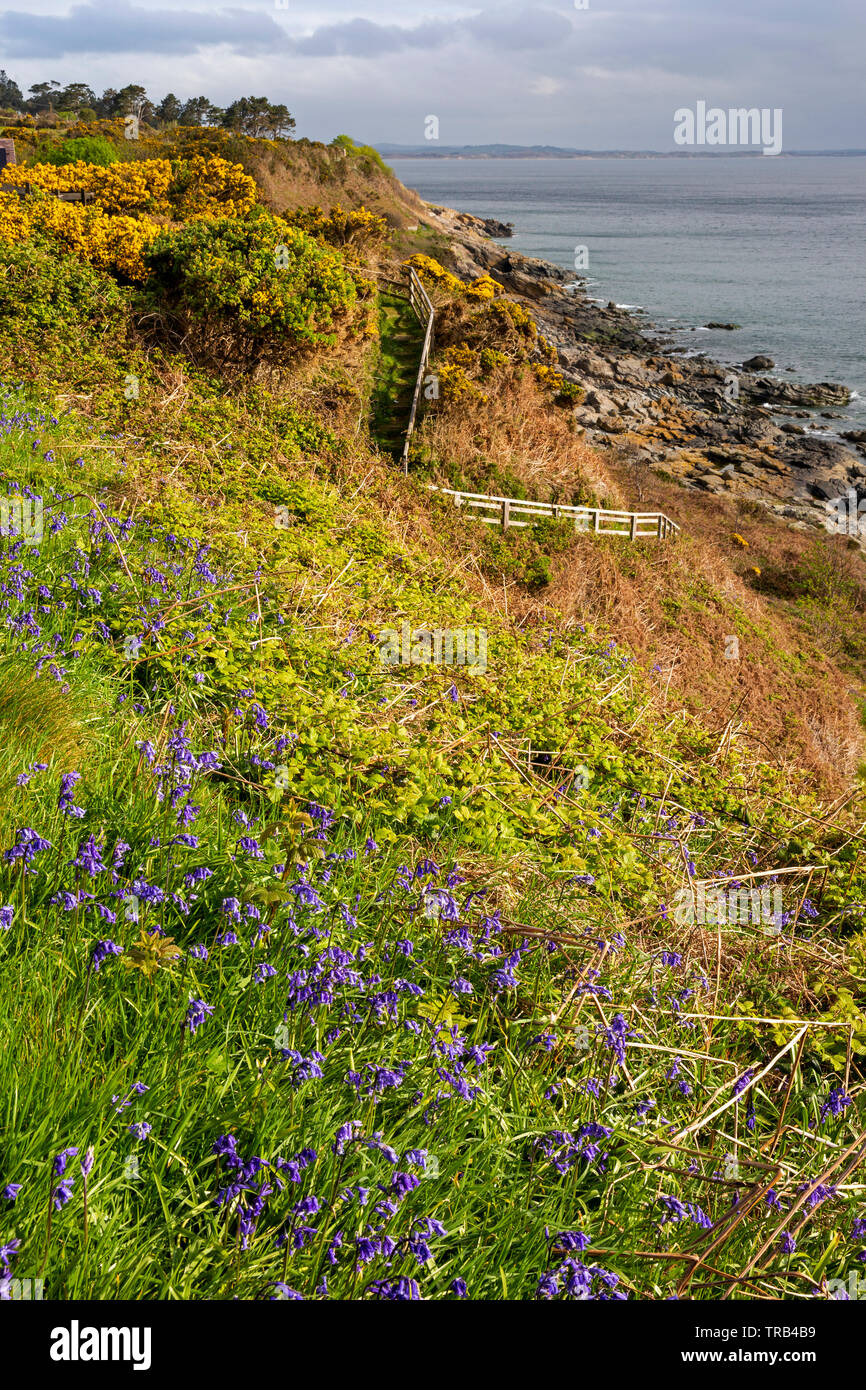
<point>396,373</point>
<point>546,1047</point>
<point>491,1121</point>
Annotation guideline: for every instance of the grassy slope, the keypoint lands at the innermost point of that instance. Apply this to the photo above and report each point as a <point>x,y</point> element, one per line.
<point>484,967</point>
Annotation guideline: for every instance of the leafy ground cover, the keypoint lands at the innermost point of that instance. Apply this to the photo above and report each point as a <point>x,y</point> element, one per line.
<point>322,977</point>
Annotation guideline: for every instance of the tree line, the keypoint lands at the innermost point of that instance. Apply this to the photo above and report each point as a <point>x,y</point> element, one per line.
<point>248,115</point>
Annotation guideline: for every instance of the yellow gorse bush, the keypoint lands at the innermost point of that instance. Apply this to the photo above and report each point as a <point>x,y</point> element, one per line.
<point>201,186</point>
<point>114,244</point>
<point>431,272</point>
<point>209,186</point>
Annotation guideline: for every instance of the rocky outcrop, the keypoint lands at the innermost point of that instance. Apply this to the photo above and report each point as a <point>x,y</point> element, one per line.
<point>767,388</point>
<point>704,423</point>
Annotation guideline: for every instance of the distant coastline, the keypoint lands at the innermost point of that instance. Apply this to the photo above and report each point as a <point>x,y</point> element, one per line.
<point>555,152</point>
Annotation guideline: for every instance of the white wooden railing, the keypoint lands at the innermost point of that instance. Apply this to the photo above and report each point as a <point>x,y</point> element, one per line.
<point>598,521</point>
<point>426,315</point>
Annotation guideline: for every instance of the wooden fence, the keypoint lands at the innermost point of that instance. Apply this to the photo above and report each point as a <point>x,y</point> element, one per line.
<point>598,521</point>
<point>72,195</point>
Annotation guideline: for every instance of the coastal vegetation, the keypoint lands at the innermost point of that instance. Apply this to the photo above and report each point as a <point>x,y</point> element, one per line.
<point>327,978</point>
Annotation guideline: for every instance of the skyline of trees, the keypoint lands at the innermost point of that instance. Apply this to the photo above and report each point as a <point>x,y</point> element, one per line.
<point>256,116</point>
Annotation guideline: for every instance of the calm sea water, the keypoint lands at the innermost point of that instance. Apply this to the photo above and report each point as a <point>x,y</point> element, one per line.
<point>776,245</point>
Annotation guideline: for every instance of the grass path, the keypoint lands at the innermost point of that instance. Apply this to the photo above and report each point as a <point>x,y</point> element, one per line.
<point>401,341</point>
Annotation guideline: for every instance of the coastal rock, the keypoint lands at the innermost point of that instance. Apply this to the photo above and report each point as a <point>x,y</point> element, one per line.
<point>758,364</point>
<point>766,388</point>
<point>672,407</point>
<point>727,327</point>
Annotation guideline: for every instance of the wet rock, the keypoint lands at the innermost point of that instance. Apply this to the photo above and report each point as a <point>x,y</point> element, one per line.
<point>767,388</point>
<point>759,364</point>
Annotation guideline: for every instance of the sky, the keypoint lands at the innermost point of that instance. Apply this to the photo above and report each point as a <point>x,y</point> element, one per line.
<point>610,75</point>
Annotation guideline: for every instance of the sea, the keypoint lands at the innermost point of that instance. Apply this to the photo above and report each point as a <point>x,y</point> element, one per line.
<point>774,244</point>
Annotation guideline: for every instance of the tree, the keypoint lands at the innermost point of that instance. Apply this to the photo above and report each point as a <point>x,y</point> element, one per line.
<point>10,92</point>
<point>247,115</point>
<point>42,96</point>
<point>281,121</point>
<point>76,95</point>
<point>169,109</point>
<point>196,111</point>
<point>105,106</point>
<point>257,117</point>
<point>134,101</point>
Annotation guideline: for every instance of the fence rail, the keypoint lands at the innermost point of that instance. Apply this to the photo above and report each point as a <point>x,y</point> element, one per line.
<point>426,315</point>
<point>598,521</point>
<point>72,195</point>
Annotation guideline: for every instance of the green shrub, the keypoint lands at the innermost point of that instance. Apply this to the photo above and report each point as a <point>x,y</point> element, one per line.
<point>251,290</point>
<point>92,149</point>
<point>50,302</point>
<point>363,152</point>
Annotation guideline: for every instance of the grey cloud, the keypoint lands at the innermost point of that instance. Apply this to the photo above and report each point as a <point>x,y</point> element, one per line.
<point>123,27</point>
<point>511,30</point>
<point>119,27</point>
<point>519,30</point>
<point>359,38</point>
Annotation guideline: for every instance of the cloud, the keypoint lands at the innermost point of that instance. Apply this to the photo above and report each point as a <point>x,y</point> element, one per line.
<point>103,26</point>
<point>545,86</point>
<point>518,30</point>
<point>116,26</point>
<point>359,38</point>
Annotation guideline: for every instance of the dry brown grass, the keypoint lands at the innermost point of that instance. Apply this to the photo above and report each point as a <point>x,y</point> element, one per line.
<point>518,435</point>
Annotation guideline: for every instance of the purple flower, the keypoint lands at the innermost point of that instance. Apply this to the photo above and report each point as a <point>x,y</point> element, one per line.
<point>102,950</point>
<point>787,1243</point>
<point>6,1251</point>
<point>458,1288</point>
<point>62,1193</point>
<point>26,846</point>
<point>6,915</point>
<point>572,1240</point>
<point>89,858</point>
<point>140,1130</point>
<point>62,1160</point>
<point>64,800</point>
<point>11,1190</point>
<point>835,1103</point>
<point>197,1013</point>
<point>87,1162</point>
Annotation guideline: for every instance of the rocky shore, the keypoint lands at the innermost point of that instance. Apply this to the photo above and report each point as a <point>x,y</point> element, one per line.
<point>733,430</point>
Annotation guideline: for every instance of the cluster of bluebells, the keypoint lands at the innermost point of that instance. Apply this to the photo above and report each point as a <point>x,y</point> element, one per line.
<point>571,1279</point>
